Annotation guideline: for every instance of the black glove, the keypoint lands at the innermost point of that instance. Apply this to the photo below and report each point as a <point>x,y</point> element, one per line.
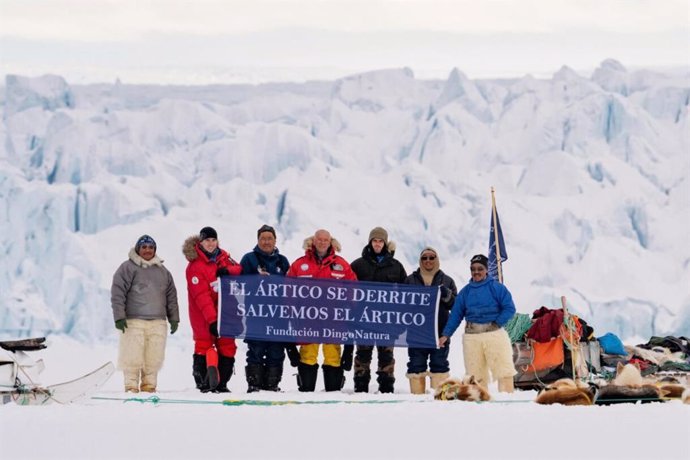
<point>293,354</point>
<point>346,359</point>
<point>222,271</point>
<point>121,324</point>
<point>173,326</point>
<point>445,292</point>
<point>213,328</point>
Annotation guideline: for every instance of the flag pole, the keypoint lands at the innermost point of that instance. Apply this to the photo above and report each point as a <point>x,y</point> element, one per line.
<point>497,242</point>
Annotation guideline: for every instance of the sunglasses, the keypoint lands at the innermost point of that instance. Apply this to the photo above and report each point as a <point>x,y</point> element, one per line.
<point>428,257</point>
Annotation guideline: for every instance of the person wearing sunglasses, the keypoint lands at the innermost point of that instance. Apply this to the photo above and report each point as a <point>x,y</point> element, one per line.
<point>435,360</point>
<point>486,306</point>
<point>378,264</point>
<point>143,297</point>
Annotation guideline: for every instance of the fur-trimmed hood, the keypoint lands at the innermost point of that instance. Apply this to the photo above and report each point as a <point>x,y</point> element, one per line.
<point>309,244</point>
<point>137,259</point>
<point>189,248</point>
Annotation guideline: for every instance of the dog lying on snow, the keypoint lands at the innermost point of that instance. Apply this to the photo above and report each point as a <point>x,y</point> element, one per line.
<point>567,392</point>
<point>630,387</point>
<point>466,389</point>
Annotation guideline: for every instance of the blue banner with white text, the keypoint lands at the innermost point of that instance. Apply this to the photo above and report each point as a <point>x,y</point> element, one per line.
<point>307,310</point>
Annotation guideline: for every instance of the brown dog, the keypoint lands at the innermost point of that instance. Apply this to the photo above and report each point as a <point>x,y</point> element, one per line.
<point>567,392</point>
<point>466,389</point>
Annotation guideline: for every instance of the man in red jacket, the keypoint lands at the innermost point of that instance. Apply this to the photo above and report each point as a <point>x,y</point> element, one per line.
<point>321,261</point>
<point>214,357</point>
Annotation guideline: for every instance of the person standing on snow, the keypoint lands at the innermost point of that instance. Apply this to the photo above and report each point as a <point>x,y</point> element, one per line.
<point>487,306</point>
<point>321,261</point>
<point>143,296</point>
<point>264,368</point>
<point>379,265</point>
<point>429,273</point>
<point>214,356</point>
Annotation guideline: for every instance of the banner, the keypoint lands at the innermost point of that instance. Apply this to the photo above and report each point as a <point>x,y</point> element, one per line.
<point>308,310</point>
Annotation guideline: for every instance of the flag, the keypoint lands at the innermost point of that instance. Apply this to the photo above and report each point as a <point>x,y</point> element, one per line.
<point>496,230</point>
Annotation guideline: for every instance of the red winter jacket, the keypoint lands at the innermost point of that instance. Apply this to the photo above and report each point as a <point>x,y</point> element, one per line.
<point>202,286</point>
<point>332,266</point>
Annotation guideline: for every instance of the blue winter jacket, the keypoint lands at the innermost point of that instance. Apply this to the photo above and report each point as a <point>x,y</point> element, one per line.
<point>482,302</point>
<point>275,263</point>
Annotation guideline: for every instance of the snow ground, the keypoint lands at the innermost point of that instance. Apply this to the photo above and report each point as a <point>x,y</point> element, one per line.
<point>414,427</point>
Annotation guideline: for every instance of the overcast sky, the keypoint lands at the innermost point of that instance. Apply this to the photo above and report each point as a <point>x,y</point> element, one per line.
<point>208,41</point>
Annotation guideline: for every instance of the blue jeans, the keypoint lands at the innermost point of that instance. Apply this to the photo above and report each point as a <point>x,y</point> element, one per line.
<point>270,354</point>
<point>436,357</point>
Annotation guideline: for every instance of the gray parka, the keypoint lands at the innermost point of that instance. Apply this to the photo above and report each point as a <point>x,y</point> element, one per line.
<point>144,290</point>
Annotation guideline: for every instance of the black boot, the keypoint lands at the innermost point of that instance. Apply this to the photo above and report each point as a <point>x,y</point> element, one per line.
<point>333,379</point>
<point>199,372</point>
<point>306,376</point>
<point>272,378</point>
<point>254,373</point>
<point>385,383</point>
<point>213,379</point>
<point>362,382</point>
<point>226,367</point>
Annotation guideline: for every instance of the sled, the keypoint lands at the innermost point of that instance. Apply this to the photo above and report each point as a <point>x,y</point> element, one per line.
<point>19,375</point>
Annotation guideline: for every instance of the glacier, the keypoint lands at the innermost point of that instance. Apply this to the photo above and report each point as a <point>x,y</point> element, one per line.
<point>591,175</point>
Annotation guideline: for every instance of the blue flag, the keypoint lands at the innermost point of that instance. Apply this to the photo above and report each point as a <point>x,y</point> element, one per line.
<point>493,262</point>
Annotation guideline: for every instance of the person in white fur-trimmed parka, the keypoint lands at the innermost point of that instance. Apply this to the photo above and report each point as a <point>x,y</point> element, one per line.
<point>143,297</point>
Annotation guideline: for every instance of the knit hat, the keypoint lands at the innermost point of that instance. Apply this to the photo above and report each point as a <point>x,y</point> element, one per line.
<point>266,228</point>
<point>208,232</point>
<point>380,233</point>
<point>480,259</point>
<point>144,239</point>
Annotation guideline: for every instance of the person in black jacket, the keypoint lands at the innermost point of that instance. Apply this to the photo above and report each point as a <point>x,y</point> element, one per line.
<point>377,264</point>
<point>264,368</point>
<point>429,274</point>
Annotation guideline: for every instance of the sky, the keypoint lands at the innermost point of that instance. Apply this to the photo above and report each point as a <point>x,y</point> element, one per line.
<point>221,41</point>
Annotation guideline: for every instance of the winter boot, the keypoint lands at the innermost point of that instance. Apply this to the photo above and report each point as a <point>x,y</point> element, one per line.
<point>149,380</point>
<point>254,373</point>
<point>385,383</point>
<point>199,372</point>
<point>505,385</point>
<point>306,376</point>
<point>362,382</point>
<point>272,378</point>
<point>333,378</point>
<point>226,366</point>
<point>437,378</point>
<point>417,383</point>
<point>131,380</point>
<point>212,369</point>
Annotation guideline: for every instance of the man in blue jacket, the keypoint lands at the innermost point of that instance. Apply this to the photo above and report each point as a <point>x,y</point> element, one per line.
<point>486,306</point>
<point>264,368</point>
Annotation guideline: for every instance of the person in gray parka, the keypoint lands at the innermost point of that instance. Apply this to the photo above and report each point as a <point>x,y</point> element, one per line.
<point>143,297</point>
